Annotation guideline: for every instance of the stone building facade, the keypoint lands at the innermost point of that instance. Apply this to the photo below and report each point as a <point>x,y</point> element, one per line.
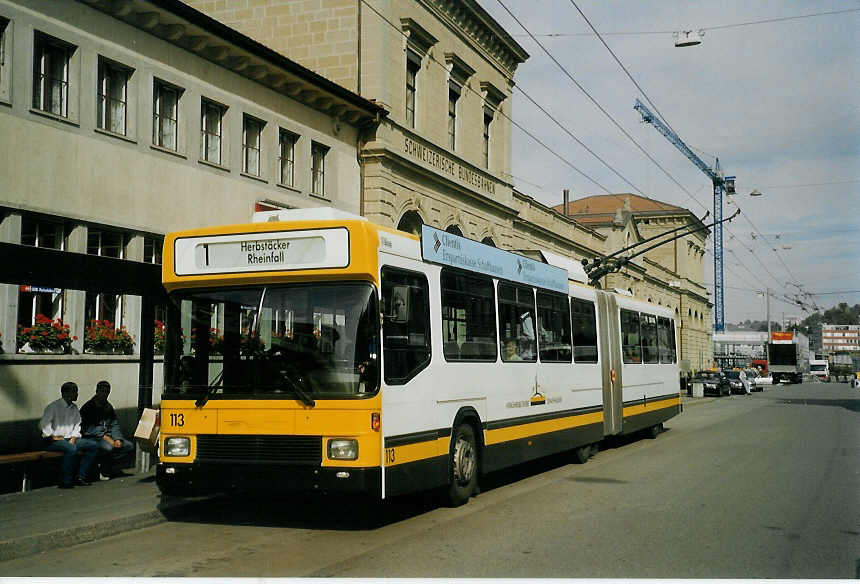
<point>120,122</point>
<point>445,71</point>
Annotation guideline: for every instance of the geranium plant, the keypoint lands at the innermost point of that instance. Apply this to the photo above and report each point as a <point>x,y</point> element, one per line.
<point>46,335</point>
<point>160,337</point>
<point>101,336</point>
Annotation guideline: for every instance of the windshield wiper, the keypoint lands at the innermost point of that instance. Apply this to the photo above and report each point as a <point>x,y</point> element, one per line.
<point>298,390</point>
<point>210,391</point>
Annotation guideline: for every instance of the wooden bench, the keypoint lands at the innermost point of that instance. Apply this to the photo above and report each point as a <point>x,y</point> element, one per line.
<point>23,461</point>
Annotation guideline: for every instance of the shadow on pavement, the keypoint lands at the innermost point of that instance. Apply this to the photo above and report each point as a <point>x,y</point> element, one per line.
<point>348,513</point>
<point>302,511</point>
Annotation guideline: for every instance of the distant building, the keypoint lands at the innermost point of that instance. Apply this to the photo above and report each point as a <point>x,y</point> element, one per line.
<point>840,337</point>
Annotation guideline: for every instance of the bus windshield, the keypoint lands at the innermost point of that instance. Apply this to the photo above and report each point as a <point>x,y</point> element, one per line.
<point>309,341</point>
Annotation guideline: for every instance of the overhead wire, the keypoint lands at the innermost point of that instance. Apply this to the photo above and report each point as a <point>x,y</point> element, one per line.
<point>665,121</point>
<point>719,27</point>
<point>591,98</point>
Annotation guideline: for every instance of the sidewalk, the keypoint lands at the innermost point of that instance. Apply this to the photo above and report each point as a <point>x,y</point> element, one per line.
<point>49,517</point>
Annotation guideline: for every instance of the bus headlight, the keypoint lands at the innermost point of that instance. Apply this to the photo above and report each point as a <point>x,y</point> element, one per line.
<point>343,449</point>
<point>177,446</point>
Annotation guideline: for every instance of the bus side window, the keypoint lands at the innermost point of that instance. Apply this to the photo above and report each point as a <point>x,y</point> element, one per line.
<point>584,331</point>
<point>468,316</point>
<point>630,337</point>
<point>405,324</point>
<point>648,326</point>
<point>666,339</point>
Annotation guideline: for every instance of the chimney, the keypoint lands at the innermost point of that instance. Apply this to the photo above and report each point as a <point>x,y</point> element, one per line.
<point>566,202</point>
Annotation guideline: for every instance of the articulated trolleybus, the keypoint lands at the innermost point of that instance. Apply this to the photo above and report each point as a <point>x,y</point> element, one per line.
<point>314,350</point>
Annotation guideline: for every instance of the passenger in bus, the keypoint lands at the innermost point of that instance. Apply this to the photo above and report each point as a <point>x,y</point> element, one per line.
<point>526,340</point>
<point>509,351</point>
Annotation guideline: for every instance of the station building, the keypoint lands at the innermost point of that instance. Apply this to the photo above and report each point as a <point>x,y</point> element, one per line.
<point>120,122</point>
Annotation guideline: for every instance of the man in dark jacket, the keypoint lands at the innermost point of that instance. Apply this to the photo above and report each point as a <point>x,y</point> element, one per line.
<point>100,424</point>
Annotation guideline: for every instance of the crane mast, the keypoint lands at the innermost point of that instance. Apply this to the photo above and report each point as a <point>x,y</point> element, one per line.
<point>719,182</point>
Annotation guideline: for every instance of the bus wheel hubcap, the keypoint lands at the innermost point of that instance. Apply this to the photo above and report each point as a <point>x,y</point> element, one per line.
<point>464,461</point>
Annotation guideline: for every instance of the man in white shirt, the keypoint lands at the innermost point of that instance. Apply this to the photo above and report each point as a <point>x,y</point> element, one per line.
<point>61,431</point>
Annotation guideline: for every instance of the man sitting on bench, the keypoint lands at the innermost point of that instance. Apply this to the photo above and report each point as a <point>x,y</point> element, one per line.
<point>100,424</point>
<point>61,431</point>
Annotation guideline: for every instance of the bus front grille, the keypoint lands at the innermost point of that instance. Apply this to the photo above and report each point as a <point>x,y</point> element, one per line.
<point>301,450</point>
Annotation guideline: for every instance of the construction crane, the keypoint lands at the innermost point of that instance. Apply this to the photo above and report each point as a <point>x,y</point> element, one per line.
<point>721,183</point>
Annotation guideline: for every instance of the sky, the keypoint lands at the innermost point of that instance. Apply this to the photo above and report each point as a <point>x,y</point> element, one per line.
<point>775,101</point>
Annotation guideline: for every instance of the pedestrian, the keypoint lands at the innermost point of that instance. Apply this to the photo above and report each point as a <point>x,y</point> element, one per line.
<point>100,425</point>
<point>745,381</point>
<point>61,432</point>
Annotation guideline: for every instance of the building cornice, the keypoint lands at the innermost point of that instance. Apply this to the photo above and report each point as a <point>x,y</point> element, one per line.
<point>181,25</point>
<point>475,25</point>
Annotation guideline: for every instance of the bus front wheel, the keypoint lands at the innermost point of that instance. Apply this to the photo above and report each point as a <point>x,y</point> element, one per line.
<point>463,465</point>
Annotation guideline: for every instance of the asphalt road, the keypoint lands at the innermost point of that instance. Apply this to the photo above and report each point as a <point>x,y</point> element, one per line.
<point>766,486</point>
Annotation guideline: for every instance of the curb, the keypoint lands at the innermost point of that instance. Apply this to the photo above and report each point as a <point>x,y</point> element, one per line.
<point>57,539</point>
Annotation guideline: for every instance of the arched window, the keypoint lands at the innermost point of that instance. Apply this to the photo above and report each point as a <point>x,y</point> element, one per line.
<point>454,230</point>
<point>488,241</point>
<point>411,222</point>
<point>630,290</point>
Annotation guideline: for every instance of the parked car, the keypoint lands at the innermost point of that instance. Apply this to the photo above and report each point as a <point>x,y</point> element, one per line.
<point>763,379</point>
<point>735,383</point>
<point>713,383</point>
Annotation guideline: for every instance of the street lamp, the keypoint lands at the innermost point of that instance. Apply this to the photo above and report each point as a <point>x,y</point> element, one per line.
<point>766,294</point>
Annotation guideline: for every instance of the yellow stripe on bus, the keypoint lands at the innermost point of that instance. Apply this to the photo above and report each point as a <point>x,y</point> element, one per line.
<point>543,427</point>
<point>417,451</point>
<point>651,406</point>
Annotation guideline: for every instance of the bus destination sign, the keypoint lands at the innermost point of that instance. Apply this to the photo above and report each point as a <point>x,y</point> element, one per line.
<point>262,252</point>
<point>442,247</point>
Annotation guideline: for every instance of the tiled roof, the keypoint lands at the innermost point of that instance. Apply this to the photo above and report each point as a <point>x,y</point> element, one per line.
<point>598,205</point>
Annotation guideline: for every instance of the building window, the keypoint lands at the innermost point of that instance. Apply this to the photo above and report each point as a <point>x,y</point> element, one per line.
<point>485,144</point>
<point>152,247</point>
<point>44,300</point>
<point>453,96</point>
<point>287,157</point>
<point>211,130</point>
<point>101,305</point>
<point>252,131</point>
<point>413,65</point>
<point>165,114</point>
<point>113,97</point>
<point>51,75</point>
<point>318,154</point>
<point>5,61</point>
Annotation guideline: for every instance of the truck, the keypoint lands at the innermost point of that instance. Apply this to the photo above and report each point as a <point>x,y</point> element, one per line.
<point>785,361</point>
<point>819,369</point>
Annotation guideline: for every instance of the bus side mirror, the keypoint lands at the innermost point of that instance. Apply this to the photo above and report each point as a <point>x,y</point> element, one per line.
<point>398,309</point>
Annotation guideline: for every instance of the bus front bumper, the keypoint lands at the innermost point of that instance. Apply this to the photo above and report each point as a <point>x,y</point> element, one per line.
<point>199,479</point>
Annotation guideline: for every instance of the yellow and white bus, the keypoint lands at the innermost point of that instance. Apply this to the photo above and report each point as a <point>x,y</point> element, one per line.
<point>314,350</point>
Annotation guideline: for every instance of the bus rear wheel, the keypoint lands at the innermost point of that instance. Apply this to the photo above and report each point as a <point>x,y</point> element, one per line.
<point>463,465</point>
